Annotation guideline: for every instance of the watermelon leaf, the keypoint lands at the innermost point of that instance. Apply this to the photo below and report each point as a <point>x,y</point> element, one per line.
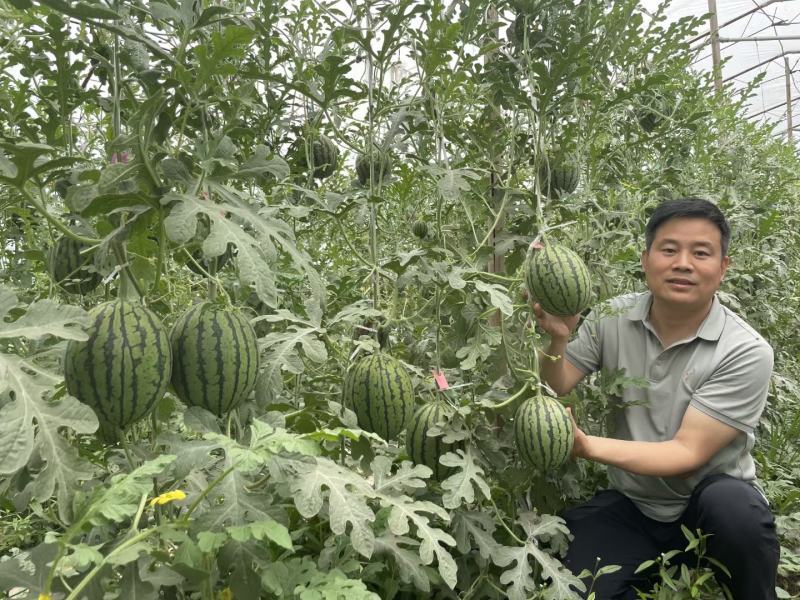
<point>408,562</point>
<point>334,584</point>
<point>521,584</point>
<point>28,570</point>
<point>256,252</point>
<point>409,476</point>
<point>232,504</point>
<point>459,486</point>
<point>404,511</point>
<point>41,319</point>
<point>497,296</point>
<point>31,388</point>
<point>347,493</point>
<point>478,525</point>
<point>265,528</point>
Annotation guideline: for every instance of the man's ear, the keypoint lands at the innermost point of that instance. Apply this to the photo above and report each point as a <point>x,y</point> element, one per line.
<point>726,262</point>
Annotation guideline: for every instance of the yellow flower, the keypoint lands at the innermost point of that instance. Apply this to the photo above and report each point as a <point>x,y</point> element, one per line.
<point>168,497</point>
<point>45,597</point>
<point>225,594</point>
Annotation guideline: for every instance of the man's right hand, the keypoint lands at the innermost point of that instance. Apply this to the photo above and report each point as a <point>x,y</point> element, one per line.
<point>558,328</point>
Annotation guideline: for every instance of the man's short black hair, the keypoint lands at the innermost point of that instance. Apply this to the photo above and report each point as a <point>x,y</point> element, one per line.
<point>688,208</point>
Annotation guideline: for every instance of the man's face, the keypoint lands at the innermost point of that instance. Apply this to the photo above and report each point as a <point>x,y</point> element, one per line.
<point>685,266</point>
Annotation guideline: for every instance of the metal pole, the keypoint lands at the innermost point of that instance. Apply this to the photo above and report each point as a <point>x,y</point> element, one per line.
<point>766,110</point>
<point>762,63</point>
<point>737,18</point>
<point>788,71</point>
<point>716,55</point>
<point>760,38</point>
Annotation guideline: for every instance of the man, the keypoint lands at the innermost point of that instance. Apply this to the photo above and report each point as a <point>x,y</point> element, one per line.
<point>679,451</point>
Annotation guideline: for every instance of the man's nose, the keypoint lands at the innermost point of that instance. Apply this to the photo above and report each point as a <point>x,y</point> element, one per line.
<point>682,261</point>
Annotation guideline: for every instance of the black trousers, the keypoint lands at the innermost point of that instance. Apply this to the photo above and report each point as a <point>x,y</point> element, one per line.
<point>609,526</point>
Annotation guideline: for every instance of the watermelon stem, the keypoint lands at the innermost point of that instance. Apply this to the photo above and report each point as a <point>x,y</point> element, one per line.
<point>162,253</point>
<point>126,276</point>
<point>502,522</point>
<point>510,400</point>
<point>39,206</point>
<point>208,490</point>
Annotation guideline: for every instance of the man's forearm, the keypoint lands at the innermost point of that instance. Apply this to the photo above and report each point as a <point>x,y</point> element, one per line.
<point>552,365</point>
<point>659,459</point>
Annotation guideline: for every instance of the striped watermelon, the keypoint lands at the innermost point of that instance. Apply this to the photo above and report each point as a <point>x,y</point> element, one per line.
<point>379,390</point>
<point>652,111</point>
<point>543,432</point>
<point>420,229</point>
<point>215,358</point>
<point>524,26</point>
<point>558,177</point>
<point>380,163</point>
<point>124,367</point>
<point>71,268</point>
<point>424,449</point>
<point>324,155</point>
<point>558,279</point>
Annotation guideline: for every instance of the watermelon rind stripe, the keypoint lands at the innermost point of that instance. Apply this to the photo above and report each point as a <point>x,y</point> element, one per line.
<point>558,279</point>
<point>378,389</point>
<point>216,362</point>
<point>121,369</point>
<point>543,433</point>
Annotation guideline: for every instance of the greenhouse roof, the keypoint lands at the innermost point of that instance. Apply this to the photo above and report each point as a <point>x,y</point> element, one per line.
<point>756,37</point>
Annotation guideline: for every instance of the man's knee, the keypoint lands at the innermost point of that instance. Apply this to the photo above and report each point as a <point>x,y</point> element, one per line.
<point>737,518</point>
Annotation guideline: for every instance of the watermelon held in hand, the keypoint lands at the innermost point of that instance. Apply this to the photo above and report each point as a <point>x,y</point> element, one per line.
<point>543,433</point>
<point>215,358</point>
<point>558,280</point>
<point>123,369</point>
<point>379,390</point>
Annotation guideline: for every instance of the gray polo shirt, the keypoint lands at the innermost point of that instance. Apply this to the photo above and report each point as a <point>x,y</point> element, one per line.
<point>722,371</point>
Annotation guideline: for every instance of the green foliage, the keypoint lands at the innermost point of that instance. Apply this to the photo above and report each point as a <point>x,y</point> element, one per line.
<point>183,133</point>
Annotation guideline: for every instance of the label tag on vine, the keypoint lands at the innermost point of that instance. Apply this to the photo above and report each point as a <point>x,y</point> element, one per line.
<point>441,380</point>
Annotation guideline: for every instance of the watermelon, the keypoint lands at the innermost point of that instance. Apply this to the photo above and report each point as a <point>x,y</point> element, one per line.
<point>71,268</point>
<point>424,449</point>
<point>420,229</point>
<point>379,390</point>
<point>543,432</point>
<point>652,112</point>
<point>522,27</point>
<point>124,367</point>
<point>215,358</point>
<point>62,186</point>
<point>324,155</point>
<point>558,177</point>
<point>379,163</point>
<point>558,280</point>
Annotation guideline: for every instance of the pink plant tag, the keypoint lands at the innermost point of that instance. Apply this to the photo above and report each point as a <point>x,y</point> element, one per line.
<point>536,245</point>
<point>441,380</point>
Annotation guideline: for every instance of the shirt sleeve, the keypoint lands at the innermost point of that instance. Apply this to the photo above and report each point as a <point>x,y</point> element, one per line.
<point>584,350</point>
<point>736,392</point>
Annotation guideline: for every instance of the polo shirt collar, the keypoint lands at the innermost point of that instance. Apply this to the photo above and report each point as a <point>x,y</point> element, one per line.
<point>710,328</point>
